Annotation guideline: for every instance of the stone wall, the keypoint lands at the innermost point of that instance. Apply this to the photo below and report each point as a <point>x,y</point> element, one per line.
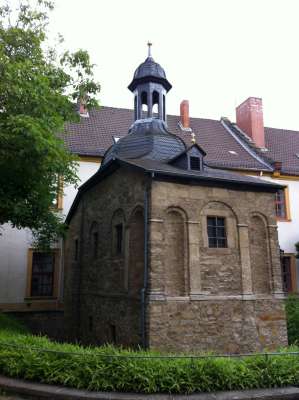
<point>222,326</point>
<point>102,288</point>
<point>198,298</point>
<point>233,300</point>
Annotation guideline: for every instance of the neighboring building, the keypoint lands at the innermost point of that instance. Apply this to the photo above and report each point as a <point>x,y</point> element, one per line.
<point>23,287</point>
<point>166,252</point>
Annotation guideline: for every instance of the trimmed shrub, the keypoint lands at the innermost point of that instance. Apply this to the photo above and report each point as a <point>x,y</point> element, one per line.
<point>292,313</point>
<point>108,368</point>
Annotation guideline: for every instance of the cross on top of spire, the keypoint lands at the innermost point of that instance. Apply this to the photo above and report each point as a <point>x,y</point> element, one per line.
<point>149,48</point>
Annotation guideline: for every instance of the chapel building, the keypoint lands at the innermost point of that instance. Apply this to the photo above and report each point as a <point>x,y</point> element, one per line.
<point>168,253</point>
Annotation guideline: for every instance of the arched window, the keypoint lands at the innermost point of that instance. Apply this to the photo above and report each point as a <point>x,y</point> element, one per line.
<point>155,110</point>
<point>155,100</point>
<point>144,105</point>
<point>118,228</point>
<point>136,106</point>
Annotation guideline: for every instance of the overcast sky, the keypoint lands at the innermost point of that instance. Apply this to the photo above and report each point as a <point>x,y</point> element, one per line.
<point>216,53</point>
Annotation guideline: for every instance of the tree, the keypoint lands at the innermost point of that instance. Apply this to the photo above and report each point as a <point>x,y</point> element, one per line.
<point>38,89</point>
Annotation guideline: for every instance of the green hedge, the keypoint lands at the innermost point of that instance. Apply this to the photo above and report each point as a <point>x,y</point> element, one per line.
<point>93,369</point>
<point>292,312</point>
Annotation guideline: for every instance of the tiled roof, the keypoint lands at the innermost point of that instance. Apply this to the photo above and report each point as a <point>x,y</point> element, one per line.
<point>92,136</point>
<point>280,145</point>
<point>283,145</point>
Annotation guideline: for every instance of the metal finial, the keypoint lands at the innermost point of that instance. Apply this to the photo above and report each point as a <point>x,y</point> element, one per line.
<point>149,48</point>
<point>193,138</point>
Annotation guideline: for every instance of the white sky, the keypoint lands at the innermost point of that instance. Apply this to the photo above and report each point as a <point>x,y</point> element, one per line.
<point>215,53</point>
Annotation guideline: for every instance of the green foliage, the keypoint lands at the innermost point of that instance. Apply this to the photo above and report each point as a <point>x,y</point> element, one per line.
<point>10,324</point>
<point>292,312</point>
<point>37,92</point>
<point>99,368</point>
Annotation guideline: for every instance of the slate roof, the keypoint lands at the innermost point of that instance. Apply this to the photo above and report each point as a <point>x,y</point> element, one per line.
<point>147,138</point>
<point>151,71</point>
<point>224,148</point>
<point>161,170</point>
<point>207,174</point>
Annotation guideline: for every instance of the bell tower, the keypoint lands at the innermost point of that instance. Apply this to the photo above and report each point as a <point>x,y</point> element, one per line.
<point>149,86</point>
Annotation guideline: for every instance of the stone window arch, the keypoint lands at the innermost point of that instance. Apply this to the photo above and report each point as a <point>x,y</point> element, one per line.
<point>259,254</point>
<point>222,210</point>
<point>175,257</point>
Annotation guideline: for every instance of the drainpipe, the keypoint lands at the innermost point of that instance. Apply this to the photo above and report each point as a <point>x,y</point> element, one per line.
<point>145,271</point>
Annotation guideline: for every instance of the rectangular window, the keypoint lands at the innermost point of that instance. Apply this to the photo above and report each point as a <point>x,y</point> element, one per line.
<point>195,163</point>
<point>286,274</point>
<point>280,204</point>
<point>42,274</point>
<point>95,237</point>
<point>119,238</point>
<point>216,232</point>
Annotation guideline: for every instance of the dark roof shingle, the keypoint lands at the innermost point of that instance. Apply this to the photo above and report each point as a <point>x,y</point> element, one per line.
<point>94,135</point>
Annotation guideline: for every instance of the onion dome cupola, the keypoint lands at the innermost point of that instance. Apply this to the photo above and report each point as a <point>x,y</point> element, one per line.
<point>149,86</point>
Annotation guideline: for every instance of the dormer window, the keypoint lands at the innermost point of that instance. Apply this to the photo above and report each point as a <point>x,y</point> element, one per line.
<point>190,159</point>
<point>195,163</point>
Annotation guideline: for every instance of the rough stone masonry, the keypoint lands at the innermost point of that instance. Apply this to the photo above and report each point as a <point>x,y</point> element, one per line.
<point>166,252</point>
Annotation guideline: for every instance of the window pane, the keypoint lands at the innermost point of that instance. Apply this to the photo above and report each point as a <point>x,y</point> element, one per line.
<point>280,204</point>
<point>220,232</point>
<point>212,242</point>
<point>220,221</point>
<point>216,232</point>
<point>212,231</point>
<point>221,243</point>
<point>195,163</point>
<point>42,274</point>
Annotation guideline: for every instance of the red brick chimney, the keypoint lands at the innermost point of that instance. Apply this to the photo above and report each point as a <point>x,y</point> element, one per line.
<point>83,111</point>
<point>184,108</point>
<point>249,116</point>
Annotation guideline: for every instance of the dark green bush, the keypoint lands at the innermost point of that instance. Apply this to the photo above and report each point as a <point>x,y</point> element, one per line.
<point>98,368</point>
<point>9,323</point>
<point>292,312</point>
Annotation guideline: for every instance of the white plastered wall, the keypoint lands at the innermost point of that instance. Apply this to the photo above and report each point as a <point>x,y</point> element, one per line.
<point>288,231</point>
